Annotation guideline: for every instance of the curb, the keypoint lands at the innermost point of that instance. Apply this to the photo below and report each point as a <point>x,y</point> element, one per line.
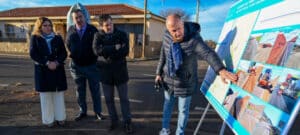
<point>141,59</point>
<point>15,55</point>
<point>27,56</point>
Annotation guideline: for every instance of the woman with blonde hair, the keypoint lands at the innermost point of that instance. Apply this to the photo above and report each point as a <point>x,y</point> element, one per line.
<point>48,52</point>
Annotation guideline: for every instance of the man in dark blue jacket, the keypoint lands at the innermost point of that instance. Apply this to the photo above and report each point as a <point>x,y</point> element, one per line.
<point>83,64</point>
<point>182,44</point>
<point>112,47</point>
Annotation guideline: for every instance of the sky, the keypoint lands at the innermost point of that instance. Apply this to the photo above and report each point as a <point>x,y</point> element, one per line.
<point>211,17</point>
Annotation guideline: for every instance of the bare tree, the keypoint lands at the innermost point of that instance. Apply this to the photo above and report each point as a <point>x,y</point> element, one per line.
<point>184,15</point>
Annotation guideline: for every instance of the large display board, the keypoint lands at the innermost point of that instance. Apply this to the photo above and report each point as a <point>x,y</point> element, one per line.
<point>260,43</point>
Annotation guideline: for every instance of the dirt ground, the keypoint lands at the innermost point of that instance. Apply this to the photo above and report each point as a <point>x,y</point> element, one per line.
<point>20,114</point>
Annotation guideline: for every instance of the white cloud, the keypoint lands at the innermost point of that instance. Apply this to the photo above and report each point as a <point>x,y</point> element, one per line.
<point>212,20</point>
<point>216,13</point>
<point>10,4</point>
<point>211,33</point>
<point>136,2</point>
<point>18,3</point>
<point>24,3</point>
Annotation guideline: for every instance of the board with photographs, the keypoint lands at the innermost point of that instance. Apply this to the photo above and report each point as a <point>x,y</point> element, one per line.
<point>260,42</point>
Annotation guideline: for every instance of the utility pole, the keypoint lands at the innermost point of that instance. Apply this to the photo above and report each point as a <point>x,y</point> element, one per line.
<point>145,29</point>
<point>197,11</point>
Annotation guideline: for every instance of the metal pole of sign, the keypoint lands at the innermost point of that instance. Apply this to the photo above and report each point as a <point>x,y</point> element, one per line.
<point>197,11</point>
<point>145,29</point>
<point>202,118</point>
<point>223,128</point>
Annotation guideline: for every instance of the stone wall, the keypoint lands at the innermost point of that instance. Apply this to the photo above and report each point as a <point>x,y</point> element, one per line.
<point>14,47</point>
<point>152,48</point>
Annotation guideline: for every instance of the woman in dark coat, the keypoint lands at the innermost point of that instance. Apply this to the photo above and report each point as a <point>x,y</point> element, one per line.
<point>48,52</point>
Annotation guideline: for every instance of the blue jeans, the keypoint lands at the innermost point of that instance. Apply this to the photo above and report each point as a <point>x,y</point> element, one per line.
<point>124,101</point>
<point>89,73</point>
<point>183,112</point>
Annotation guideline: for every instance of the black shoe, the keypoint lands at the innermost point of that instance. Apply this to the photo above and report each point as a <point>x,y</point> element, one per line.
<point>99,116</point>
<point>113,126</point>
<point>51,125</point>
<point>80,116</point>
<point>128,128</point>
<point>61,123</point>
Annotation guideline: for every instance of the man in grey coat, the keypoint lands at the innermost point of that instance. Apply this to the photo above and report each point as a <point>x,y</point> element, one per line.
<point>182,44</point>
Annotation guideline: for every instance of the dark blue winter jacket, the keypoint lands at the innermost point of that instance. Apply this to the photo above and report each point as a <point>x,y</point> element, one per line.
<point>185,82</point>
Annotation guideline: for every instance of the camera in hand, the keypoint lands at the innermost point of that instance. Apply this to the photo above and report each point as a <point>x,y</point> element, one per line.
<point>160,85</point>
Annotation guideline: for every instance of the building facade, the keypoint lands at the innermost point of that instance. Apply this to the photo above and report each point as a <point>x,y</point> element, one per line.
<point>17,24</point>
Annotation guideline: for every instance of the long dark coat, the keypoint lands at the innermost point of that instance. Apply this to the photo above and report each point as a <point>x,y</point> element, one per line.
<point>112,62</point>
<point>47,80</point>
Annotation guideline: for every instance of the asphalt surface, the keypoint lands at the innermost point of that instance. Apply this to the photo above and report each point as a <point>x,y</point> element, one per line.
<point>20,107</point>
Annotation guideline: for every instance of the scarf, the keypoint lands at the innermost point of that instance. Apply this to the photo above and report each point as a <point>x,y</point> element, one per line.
<point>174,59</point>
<point>48,38</point>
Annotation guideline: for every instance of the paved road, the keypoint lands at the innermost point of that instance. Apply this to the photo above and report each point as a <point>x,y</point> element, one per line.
<point>20,108</point>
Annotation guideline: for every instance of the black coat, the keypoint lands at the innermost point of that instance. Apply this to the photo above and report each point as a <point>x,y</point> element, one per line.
<point>81,50</point>
<point>186,80</point>
<point>112,62</point>
<point>47,80</point>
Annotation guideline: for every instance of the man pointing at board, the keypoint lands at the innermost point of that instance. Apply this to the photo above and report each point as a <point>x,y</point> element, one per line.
<point>182,44</point>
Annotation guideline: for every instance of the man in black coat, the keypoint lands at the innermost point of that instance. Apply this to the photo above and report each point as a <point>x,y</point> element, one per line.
<point>111,45</point>
<point>182,44</point>
<point>83,64</point>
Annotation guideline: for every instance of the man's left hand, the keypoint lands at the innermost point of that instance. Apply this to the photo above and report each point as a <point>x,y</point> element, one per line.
<point>224,74</point>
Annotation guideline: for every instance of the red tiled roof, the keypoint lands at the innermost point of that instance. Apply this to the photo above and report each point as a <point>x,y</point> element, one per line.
<point>114,9</point>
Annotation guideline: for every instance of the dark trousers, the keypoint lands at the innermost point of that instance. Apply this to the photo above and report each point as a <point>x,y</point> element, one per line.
<point>124,102</point>
<point>82,74</point>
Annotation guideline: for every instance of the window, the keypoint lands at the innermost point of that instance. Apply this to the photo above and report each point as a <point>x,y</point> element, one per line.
<point>137,29</point>
<point>130,28</point>
<point>22,28</point>
<point>9,30</point>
